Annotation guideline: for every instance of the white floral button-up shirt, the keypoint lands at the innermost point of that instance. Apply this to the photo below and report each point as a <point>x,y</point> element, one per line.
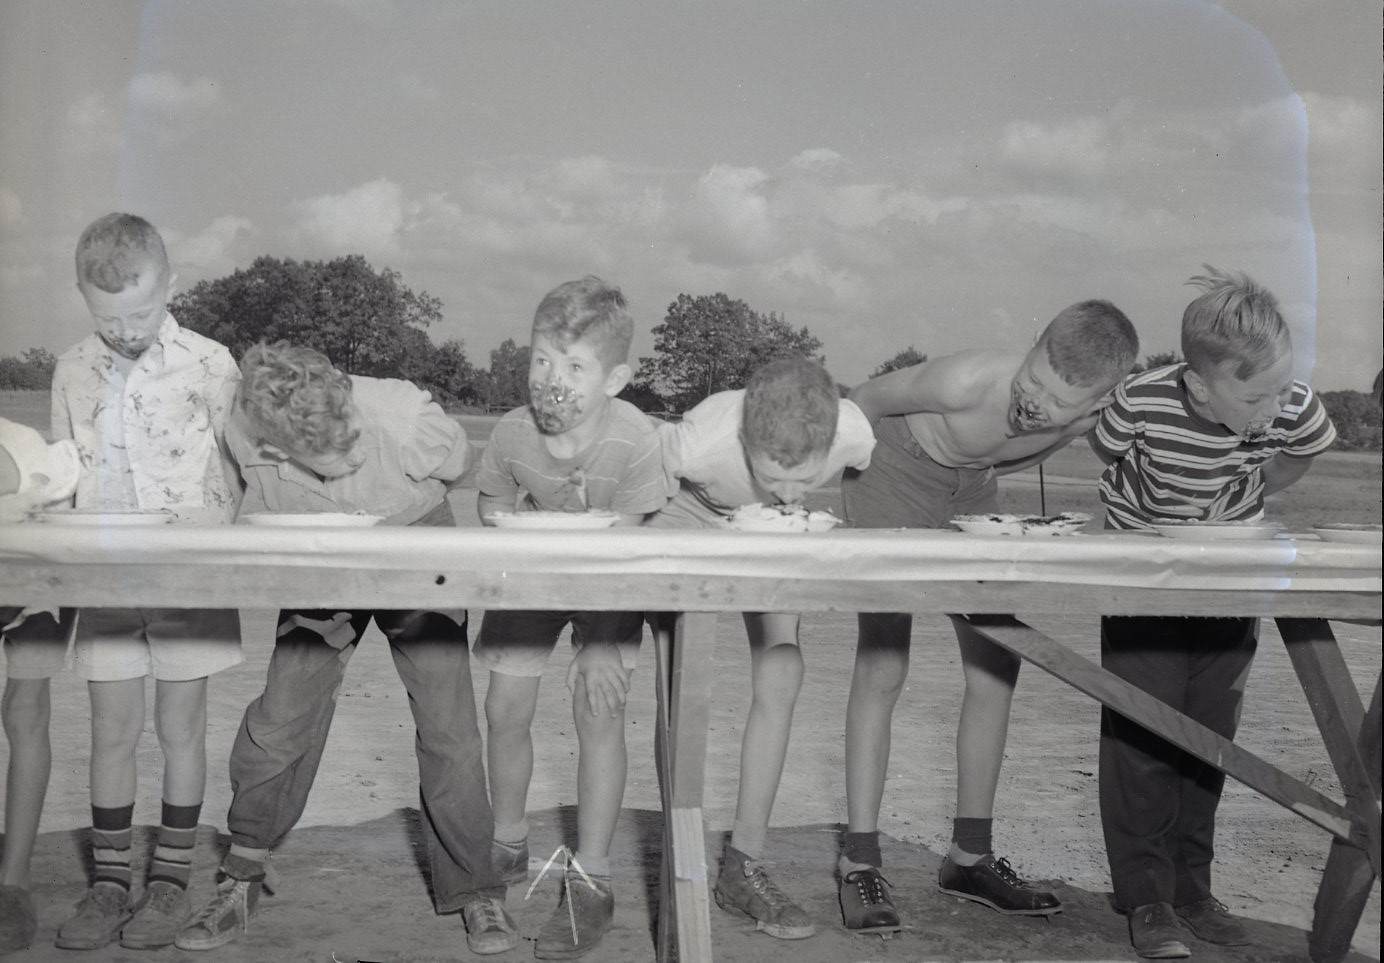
<point>152,437</point>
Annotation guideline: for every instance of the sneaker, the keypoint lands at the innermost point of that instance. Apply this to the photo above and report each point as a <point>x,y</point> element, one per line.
<point>994,883</point>
<point>866,906</point>
<point>1209,920</point>
<point>161,914</point>
<point>511,862</point>
<point>224,918</point>
<point>1155,933</point>
<point>18,921</point>
<point>584,913</point>
<point>489,929</point>
<point>104,909</point>
<point>744,886</point>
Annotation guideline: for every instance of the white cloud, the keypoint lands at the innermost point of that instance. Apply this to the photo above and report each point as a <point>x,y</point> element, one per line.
<point>163,93</point>
<point>211,251</point>
<point>11,210</point>
<point>817,160</point>
<point>727,219</point>
<point>93,125</point>
<point>1077,149</point>
<point>367,219</point>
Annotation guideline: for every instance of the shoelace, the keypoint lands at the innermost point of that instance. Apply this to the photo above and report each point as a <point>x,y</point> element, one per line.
<point>164,898</point>
<point>767,889</point>
<point>870,886</point>
<point>1006,872</point>
<point>569,862</point>
<point>235,895</point>
<point>490,915</point>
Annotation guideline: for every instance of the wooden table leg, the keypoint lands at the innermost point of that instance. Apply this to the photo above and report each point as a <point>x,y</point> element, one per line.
<point>685,662</point>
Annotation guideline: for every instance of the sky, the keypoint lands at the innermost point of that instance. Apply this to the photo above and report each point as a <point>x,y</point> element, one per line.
<point>940,175</point>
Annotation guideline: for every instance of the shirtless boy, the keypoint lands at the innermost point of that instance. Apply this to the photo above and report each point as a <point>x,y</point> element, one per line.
<point>945,429</point>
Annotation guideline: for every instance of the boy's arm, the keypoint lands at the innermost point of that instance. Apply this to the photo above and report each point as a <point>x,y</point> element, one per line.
<point>1282,470</point>
<point>1085,425</point>
<point>221,402</point>
<point>945,385</point>
<point>439,447</point>
<point>1028,461</point>
<point>486,504</point>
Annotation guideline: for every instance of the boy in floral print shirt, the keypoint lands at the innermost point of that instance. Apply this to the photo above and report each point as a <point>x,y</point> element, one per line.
<point>145,400</point>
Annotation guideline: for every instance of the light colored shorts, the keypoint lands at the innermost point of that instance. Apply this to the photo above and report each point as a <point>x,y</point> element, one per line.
<point>36,648</point>
<point>173,645</point>
<point>519,642</point>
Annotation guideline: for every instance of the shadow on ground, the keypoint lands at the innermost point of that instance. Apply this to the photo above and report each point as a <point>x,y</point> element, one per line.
<point>360,893</point>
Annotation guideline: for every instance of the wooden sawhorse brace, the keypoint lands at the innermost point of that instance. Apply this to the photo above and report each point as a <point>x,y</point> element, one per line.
<point>685,644</point>
<point>1352,739</point>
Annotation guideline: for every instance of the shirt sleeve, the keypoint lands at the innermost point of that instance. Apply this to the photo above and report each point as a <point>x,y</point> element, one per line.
<point>855,438</point>
<point>221,389</point>
<point>643,487</point>
<point>1313,432</point>
<point>437,448</point>
<point>1117,427</point>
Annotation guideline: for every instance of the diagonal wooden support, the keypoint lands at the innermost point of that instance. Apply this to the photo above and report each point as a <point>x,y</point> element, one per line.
<point>1157,716</point>
<point>1348,877</point>
<point>1336,706</point>
<point>684,644</point>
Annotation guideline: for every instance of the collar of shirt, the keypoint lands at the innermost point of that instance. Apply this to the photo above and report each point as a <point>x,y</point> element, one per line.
<point>169,335</point>
<point>251,454</point>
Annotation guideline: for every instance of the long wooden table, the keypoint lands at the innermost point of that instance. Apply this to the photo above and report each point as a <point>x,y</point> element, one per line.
<point>1301,582</point>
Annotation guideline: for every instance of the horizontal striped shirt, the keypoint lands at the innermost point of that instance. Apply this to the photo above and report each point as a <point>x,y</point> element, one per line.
<point>1170,464</point>
<point>622,471</point>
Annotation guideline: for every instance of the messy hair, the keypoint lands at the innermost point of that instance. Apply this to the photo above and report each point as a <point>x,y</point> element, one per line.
<point>1091,343</point>
<point>587,309</point>
<point>296,399</point>
<point>115,249</point>
<point>1234,320</point>
<point>790,411</point>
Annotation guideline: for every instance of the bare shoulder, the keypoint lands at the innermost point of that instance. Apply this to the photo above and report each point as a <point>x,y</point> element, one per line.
<point>968,376</point>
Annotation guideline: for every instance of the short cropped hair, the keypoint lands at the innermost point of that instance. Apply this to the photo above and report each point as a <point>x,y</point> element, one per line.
<point>1236,320</point>
<point>115,249</point>
<point>1091,343</point>
<point>790,411</point>
<point>587,309</point>
<point>296,398</point>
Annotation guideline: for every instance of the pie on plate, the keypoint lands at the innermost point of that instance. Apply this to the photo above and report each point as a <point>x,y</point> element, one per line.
<point>1220,531</point>
<point>597,518</point>
<point>103,519</point>
<point>313,519</point>
<point>757,517</point>
<point>1351,532</point>
<point>1065,523</point>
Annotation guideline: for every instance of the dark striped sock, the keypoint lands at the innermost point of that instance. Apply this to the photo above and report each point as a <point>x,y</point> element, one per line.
<point>172,860</point>
<point>111,833</point>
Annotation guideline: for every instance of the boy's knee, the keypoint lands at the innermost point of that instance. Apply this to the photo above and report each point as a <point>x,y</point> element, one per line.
<point>507,717</point>
<point>26,708</point>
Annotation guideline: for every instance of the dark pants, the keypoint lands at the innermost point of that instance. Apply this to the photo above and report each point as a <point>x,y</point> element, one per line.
<point>1157,803</point>
<point>281,738</point>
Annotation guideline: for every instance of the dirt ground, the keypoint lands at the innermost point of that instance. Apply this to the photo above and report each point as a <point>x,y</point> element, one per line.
<point>353,886</point>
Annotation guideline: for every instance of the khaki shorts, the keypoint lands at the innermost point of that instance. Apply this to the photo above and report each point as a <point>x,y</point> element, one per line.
<point>518,642</point>
<point>174,645</point>
<point>36,648</point>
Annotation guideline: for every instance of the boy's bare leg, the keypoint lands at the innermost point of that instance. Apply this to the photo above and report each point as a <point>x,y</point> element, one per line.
<point>510,703</point>
<point>27,708</point>
<point>117,719</point>
<point>881,667</point>
<point>601,767</point>
<point>990,674</point>
<point>180,720</point>
<point>776,675</point>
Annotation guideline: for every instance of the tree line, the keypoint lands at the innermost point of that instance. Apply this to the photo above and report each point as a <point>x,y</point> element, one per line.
<point>370,323</point>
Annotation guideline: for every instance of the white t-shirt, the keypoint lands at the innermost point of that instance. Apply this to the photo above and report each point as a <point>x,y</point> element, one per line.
<point>705,465</point>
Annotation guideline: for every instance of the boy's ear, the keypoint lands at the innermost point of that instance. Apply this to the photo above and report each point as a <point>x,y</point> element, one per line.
<point>1196,386</point>
<point>274,451</point>
<point>170,285</point>
<point>617,378</point>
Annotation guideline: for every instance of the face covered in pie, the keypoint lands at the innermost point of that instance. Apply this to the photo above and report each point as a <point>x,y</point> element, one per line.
<point>568,384</point>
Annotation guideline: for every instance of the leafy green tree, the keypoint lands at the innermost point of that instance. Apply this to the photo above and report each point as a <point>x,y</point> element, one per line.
<point>1356,416</point>
<point>906,358</point>
<point>507,381</point>
<point>31,371</point>
<point>712,343</point>
<point>366,321</point>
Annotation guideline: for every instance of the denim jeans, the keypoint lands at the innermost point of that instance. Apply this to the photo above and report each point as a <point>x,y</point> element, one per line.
<point>281,738</point>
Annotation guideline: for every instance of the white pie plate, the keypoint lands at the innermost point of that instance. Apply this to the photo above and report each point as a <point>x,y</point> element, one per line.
<point>1348,532</point>
<point>312,520</point>
<point>1218,531</point>
<point>104,519</point>
<point>1001,524</point>
<point>552,520</point>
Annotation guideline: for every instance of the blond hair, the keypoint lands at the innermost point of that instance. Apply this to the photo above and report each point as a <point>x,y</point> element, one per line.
<point>296,398</point>
<point>1235,320</point>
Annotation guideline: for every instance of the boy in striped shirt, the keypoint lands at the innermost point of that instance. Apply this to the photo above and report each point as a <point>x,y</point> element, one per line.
<point>1205,440</point>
